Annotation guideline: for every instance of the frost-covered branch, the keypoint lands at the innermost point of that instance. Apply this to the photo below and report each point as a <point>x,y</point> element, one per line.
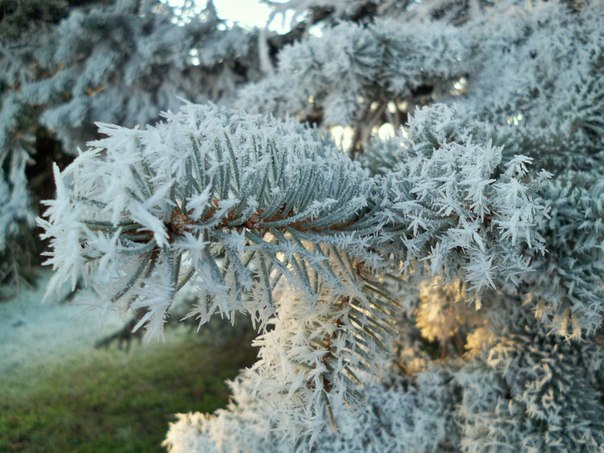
<point>239,201</point>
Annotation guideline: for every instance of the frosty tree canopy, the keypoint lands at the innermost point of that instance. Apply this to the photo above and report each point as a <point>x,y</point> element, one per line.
<point>439,290</point>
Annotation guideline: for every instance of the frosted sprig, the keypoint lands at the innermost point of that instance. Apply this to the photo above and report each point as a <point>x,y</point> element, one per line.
<point>233,201</point>
<point>457,204</point>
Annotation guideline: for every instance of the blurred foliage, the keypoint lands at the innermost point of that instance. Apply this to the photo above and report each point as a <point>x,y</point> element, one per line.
<point>17,15</point>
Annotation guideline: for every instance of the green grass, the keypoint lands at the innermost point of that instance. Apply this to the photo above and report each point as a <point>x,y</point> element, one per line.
<point>110,401</point>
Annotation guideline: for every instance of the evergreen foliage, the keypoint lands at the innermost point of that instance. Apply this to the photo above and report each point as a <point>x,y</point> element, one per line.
<point>437,290</point>
<point>122,62</point>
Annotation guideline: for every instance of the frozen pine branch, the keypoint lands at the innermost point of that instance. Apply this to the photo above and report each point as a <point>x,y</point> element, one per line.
<point>241,201</point>
<point>233,200</point>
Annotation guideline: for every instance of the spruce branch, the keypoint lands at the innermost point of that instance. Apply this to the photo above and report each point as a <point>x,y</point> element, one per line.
<point>235,201</point>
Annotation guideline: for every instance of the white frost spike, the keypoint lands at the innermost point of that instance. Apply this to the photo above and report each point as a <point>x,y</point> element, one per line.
<point>141,215</point>
<point>64,229</point>
<point>155,296</point>
<point>200,202</point>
